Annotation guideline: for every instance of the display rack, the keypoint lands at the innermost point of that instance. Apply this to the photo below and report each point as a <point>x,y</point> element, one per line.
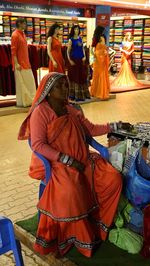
<point>37,28</point>
<point>140,30</point>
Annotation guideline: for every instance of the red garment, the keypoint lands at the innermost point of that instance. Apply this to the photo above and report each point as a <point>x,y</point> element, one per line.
<point>146,245</point>
<point>19,48</point>
<point>33,57</point>
<point>126,79</point>
<point>57,55</point>
<point>76,208</point>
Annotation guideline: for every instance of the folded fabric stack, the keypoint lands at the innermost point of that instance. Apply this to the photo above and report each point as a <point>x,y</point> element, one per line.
<point>128,30</point>
<point>147,22</point>
<point>30,28</point>
<point>37,38</point>
<point>65,39</point>
<point>37,29</point>
<point>42,22</point>
<point>111,39</point>
<point>13,23</point>
<point>136,55</point>
<point>1,20</point>
<point>6,26</point>
<point>138,31</point>
<point>119,23</point>
<point>118,31</point>
<point>49,22</point>
<point>137,46</point>
<point>111,23</point>
<point>146,46</point>
<point>146,58</point>
<point>37,21</point>
<point>43,39</point>
<point>112,32</point>
<point>138,38</point>
<point>118,39</point>
<point>147,31</point>
<point>128,23</point>
<point>138,23</point>
<point>43,30</point>
<point>147,38</point>
<point>137,62</point>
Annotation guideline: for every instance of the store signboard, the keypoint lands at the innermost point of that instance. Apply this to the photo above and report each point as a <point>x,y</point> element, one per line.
<point>103,20</point>
<point>41,9</point>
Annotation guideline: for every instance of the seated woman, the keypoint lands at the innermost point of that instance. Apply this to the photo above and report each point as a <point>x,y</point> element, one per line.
<point>80,200</point>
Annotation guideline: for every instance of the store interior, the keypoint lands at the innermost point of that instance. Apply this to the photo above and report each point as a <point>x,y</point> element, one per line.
<point>19,192</point>
<point>119,21</point>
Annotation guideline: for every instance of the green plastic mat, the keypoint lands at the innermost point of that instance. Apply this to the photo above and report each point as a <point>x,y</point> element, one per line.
<point>106,255</point>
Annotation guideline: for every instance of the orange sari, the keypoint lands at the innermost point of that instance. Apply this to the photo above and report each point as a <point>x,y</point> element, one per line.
<point>76,208</point>
<point>125,79</point>
<point>100,84</point>
<point>57,55</point>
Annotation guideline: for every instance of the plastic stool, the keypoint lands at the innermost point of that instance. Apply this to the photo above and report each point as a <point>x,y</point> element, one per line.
<point>8,241</point>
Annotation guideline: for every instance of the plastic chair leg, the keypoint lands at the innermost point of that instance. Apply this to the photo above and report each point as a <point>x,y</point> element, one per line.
<point>18,254</point>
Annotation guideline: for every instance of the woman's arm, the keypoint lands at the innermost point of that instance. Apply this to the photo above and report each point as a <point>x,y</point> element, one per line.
<point>84,58</point>
<point>38,129</point>
<point>49,45</point>
<point>68,53</point>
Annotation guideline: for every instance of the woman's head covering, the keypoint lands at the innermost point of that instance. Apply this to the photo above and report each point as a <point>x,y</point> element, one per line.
<point>46,84</point>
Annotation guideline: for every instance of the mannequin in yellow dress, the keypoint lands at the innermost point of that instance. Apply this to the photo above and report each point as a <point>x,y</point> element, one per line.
<point>125,79</point>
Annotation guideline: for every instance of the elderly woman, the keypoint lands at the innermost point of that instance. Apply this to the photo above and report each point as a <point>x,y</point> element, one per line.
<point>80,200</point>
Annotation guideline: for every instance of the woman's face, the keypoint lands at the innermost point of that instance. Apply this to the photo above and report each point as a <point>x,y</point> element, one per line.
<point>56,31</point>
<point>76,31</point>
<point>60,90</point>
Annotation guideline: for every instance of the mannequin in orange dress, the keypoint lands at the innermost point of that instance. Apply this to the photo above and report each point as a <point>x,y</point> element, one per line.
<point>56,62</point>
<point>125,79</point>
<point>100,84</point>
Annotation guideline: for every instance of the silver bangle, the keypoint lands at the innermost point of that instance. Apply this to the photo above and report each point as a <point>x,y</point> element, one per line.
<point>70,161</point>
<point>64,158</point>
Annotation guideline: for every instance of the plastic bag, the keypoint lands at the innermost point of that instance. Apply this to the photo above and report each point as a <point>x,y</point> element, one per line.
<point>142,167</point>
<point>137,188</point>
<point>129,217</point>
<point>117,155</point>
<point>126,240</point>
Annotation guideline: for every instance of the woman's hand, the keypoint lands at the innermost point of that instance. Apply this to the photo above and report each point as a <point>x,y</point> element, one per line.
<point>126,126</point>
<point>121,125</point>
<point>83,59</point>
<point>55,64</point>
<point>17,66</point>
<point>72,63</point>
<point>78,166</point>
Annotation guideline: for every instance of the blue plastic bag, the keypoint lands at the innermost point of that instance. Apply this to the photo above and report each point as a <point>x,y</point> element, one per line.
<point>137,188</point>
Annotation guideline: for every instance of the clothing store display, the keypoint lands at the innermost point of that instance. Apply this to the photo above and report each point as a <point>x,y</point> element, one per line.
<point>100,87</point>
<point>125,79</point>
<point>7,82</point>
<point>78,73</point>
<point>24,80</point>
<point>57,56</point>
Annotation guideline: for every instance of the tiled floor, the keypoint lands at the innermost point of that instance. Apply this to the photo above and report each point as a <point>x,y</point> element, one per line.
<point>18,192</point>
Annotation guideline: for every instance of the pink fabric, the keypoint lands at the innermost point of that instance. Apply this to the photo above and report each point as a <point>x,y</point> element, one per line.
<point>43,115</point>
